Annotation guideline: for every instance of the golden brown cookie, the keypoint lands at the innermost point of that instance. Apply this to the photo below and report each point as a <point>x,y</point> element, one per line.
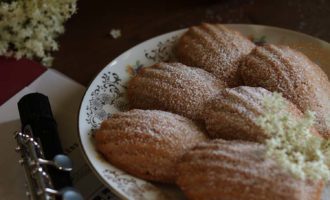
<point>173,87</point>
<point>147,143</point>
<point>237,170</point>
<point>233,114</point>
<point>281,69</point>
<point>216,49</point>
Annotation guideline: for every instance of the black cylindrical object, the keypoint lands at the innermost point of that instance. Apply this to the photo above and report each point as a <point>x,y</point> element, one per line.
<point>36,115</point>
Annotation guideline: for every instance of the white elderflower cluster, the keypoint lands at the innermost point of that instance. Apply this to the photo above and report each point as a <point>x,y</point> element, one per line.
<point>291,142</point>
<point>28,28</point>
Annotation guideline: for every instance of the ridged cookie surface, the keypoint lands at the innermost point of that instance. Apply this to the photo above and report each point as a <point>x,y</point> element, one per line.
<point>147,143</point>
<point>236,170</point>
<point>281,69</point>
<point>173,87</point>
<point>233,114</point>
<point>216,49</point>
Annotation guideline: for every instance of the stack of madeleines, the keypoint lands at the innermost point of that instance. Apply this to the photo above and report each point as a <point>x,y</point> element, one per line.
<point>194,122</point>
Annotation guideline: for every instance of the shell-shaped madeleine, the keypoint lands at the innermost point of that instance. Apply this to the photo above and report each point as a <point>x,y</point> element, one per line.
<point>282,69</point>
<point>237,170</point>
<point>233,114</point>
<point>147,143</point>
<point>216,49</point>
<point>173,87</point>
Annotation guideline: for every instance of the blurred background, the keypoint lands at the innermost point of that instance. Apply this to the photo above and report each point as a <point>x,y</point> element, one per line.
<point>87,46</point>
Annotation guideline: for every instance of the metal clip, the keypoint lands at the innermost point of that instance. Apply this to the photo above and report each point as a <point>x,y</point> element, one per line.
<point>39,183</point>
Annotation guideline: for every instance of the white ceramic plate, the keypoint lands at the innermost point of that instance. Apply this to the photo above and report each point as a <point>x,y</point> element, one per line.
<point>106,95</point>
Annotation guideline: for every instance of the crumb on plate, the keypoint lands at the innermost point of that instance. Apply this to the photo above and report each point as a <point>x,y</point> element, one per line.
<point>115,33</point>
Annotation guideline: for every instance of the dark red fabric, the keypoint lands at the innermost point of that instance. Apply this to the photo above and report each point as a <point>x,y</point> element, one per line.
<point>16,74</point>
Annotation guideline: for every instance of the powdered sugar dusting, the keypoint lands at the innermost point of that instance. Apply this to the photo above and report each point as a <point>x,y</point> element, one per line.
<point>291,73</point>
<point>233,114</point>
<point>173,87</point>
<point>147,143</point>
<point>214,48</point>
<point>241,174</point>
<point>153,123</point>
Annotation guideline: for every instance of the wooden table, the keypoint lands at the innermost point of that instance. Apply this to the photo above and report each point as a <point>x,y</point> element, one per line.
<point>87,47</point>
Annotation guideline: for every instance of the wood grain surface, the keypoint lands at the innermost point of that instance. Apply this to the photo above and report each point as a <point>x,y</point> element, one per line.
<point>87,46</point>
